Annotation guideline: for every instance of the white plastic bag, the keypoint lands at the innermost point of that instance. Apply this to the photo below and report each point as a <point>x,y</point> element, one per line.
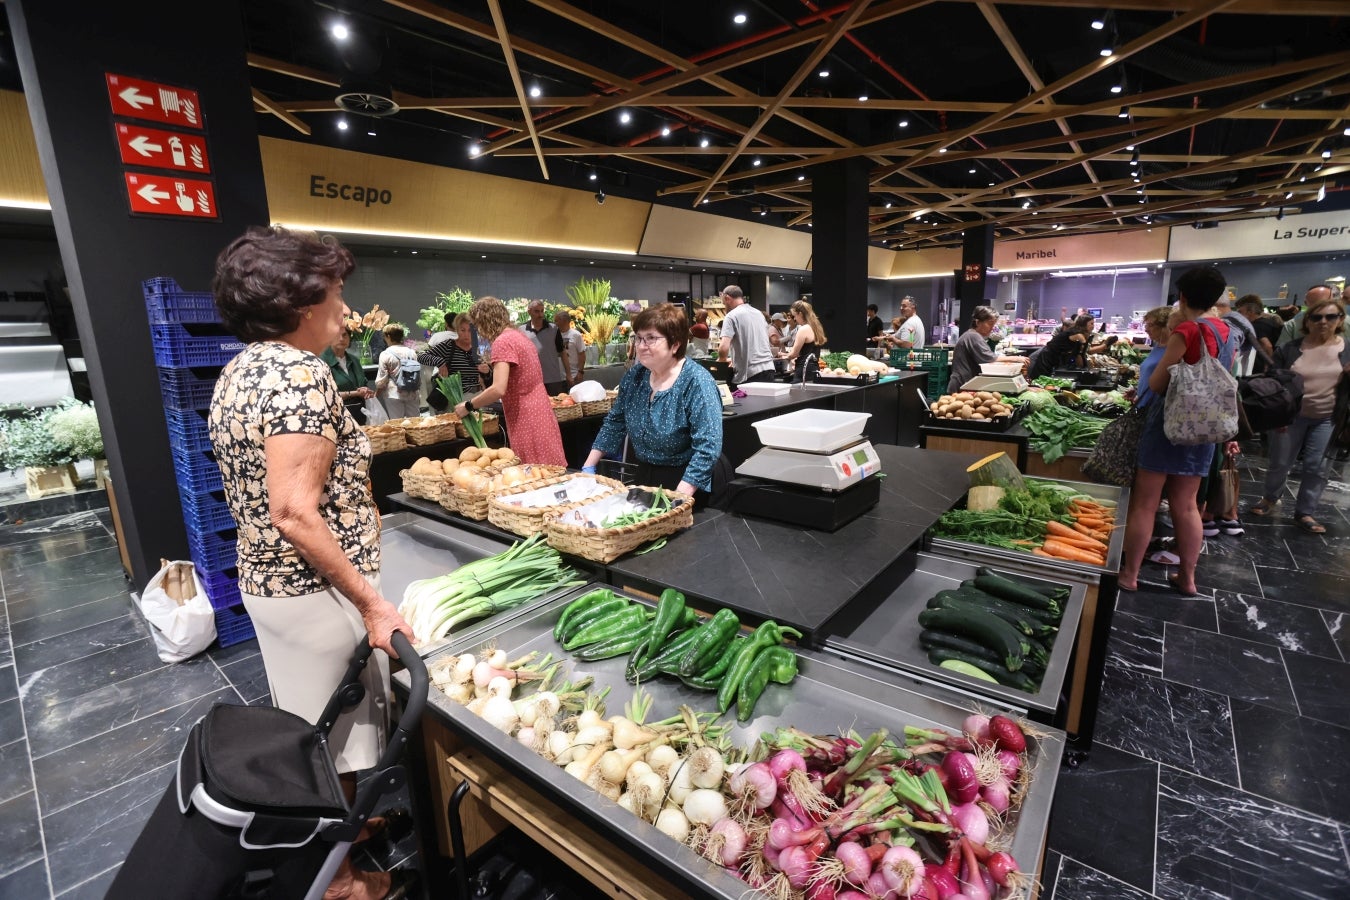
<point>588,392</point>
<point>180,629</point>
<point>375,414</point>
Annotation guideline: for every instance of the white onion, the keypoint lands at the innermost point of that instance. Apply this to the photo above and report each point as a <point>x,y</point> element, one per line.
<point>673,823</point>
<point>704,807</point>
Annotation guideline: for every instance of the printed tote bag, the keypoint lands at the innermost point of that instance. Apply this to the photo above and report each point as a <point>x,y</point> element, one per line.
<point>1201,403</point>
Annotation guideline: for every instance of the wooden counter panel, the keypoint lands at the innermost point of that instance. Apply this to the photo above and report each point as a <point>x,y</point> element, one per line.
<point>980,446</point>
<point>1066,468</point>
<point>1082,657</point>
<point>479,822</point>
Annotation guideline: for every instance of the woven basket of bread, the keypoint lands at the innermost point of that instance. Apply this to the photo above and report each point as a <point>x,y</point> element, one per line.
<point>596,407</point>
<point>565,534</point>
<point>528,520</point>
<point>567,413</point>
<point>490,422</point>
<point>472,480</point>
<point>428,430</point>
<point>425,478</point>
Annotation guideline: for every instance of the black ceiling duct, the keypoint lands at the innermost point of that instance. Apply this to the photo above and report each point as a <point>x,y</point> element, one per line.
<point>1183,60</point>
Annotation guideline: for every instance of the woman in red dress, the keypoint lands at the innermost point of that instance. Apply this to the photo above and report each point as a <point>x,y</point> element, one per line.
<point>517,381</point>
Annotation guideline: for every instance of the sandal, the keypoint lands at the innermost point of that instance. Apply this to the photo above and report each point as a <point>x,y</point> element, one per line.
<point>1310,525</point>
<point>1263,507</point>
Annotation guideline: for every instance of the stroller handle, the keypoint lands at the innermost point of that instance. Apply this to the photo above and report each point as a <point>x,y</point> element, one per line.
<point>417,672</point>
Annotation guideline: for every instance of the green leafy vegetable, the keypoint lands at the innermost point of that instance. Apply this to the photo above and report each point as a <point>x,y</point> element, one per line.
<point>1056,430</point>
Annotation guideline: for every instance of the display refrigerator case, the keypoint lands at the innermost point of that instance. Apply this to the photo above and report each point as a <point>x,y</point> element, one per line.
<point>830,695</point>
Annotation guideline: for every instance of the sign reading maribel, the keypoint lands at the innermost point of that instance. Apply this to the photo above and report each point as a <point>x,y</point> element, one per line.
<point>1268,236</point>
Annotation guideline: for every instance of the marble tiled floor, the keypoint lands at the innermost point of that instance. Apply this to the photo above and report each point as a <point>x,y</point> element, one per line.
<point>1219,768</point>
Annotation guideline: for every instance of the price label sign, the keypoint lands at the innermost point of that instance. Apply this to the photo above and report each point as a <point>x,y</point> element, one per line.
<point>154,148</point>
<point>168,195</point>
<point>139,99</point>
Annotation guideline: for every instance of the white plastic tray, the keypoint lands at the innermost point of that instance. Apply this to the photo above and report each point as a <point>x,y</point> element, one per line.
<point>998,368</point>
<point>764,388</point>
<point>813,430</point>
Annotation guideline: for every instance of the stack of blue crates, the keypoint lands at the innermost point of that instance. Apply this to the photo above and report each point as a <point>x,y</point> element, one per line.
<point>190,349</point>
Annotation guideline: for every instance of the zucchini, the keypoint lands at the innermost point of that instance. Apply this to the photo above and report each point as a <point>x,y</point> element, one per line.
<point>932,640</point>
<point>1053,591</point>
<point>985,627</point>
<point>1014,616</point>
<point>993,672</point>
<point>970,671</point>
<point>1017,593</point>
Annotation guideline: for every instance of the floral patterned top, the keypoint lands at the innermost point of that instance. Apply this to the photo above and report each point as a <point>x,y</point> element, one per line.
<point>273,388</point>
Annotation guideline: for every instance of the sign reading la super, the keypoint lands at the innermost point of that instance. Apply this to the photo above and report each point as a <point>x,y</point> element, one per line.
<point>1268,236</point>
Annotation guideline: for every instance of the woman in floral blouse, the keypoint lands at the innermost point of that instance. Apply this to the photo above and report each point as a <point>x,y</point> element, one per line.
<point>295,468</point>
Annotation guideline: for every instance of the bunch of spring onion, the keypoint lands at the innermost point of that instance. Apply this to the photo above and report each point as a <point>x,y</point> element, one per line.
<point>452,387</point>
<point>529,568</point>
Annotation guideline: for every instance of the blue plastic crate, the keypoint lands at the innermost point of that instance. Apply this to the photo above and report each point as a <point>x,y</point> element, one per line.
<point>222,588</point>
<point>181,307</point>
<point>161,285</point>
<point>205,512</point>
<point>212,551</point>
<point>187,430</point>
<point>197,472</point>
<point>182,346</point>
<point>185,389</point>
<point>233,626</point>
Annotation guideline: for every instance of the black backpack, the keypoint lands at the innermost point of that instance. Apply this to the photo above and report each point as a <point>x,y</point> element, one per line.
<point>1269,400</point>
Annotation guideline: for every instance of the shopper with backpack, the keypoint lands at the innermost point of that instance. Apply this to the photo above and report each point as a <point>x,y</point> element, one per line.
<point>398,383</point>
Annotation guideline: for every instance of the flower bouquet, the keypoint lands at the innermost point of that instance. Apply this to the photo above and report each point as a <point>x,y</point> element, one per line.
<point>363,328</point>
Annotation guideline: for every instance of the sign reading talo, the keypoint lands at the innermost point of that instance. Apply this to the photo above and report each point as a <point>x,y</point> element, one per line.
<point>320,187</point>
<point>742,243</point>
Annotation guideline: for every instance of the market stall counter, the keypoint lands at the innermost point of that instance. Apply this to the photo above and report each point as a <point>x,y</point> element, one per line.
<point>623,855</point>
<point>1013,440</point>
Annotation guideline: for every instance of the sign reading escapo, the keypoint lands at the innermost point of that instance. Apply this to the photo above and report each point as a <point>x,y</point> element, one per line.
<point>1304,233</point>
<point>332,190</point>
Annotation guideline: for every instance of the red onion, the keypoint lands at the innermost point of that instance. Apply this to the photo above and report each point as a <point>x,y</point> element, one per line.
<point>851,894</point>
<point>976,728</point>
<point>795,864</point>
<point>962,784</point>
<point>902,868</point>
<point>822,890</point>
<point>733,840</point>
<point>785,761</point>
<point>943,883</point>
<point>856,863</point>
<point>782,835</point>
<point>997,794</point>
<point>877,888</point>
<point>972,881</point>
<point>1007,735</point>
<point>1010,762</point>
<point>1000,865</point>
<point>972,821</point>
<point>755,781</point>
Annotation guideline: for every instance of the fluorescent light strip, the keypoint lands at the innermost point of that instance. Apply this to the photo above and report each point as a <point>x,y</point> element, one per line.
<point>457,238</point>
<point>1114,265</point>
<point>24,204</point>
<point>946,272</point>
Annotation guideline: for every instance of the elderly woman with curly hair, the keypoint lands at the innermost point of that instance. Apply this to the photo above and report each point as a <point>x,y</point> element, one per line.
<point>517,381</point>
<point>295,468</point>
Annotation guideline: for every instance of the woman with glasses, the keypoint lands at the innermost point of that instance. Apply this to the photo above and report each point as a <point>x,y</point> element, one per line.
<point>1322,357</point>
<point>668,409</point>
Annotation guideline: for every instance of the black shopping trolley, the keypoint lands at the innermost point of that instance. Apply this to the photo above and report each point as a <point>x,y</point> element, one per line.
<point>256,809</point>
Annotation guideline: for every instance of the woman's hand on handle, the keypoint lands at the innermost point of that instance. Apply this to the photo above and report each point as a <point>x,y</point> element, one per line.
<point>381,621</point>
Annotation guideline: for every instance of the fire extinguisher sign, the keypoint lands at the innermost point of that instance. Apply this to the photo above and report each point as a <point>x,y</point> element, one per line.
<point>157,149</point>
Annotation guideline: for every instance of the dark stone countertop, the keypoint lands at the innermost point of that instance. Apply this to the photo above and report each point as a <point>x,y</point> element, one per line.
<point>802,576</point>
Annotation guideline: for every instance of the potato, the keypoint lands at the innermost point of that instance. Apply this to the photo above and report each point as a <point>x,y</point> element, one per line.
<point>470,454</point>
<point>449,466</point>
<point>964,412</point>
<point>505,453</point>
<point>977,415</point>
<point>484,461</point>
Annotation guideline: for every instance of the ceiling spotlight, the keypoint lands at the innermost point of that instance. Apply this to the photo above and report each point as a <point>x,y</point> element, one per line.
<point>1322,192</point>
<point>600,196</point>
<point>942,149</point>
<point>371,133</point>
<point>1134,160</point>
<point>665,131</point>
<point>339,32</point>
<point>1143,199</point>
<point>413,252</point>
<point>1058,226</point>
<point>1098,24</point>
<point>763,210</point>
<point>535,90</point>
<point>801,177</point>
<point>1026,204</point>
<point>888,204</point>
<point>1346,132</point>
<point>594,175</point>
<point>1136,179</point>
<point>739,18</point>
<point>1139,190</point>
<point>625,117</point>
<point>1124,113</point>
<point>1326,154</point>
<point>823,73</point>
<point>474,149</point>
<point>1289,195</point>
<point>862,98</point>
<point>1116,89</point>
<point>1107,51</point>
<point>703,143</point>
<point>705,201</point>
<point>756,161</point>
<point>1302,178</point>
<point>342,124</point>
<point>904,123</point>
<point>1129,146</point>
<point>972,171</point>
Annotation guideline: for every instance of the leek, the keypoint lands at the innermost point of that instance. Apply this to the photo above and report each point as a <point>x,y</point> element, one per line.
<point>526,570</point>
<point>452,387</point>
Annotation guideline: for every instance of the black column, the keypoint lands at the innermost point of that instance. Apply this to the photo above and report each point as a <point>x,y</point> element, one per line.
<point>977,255</point>
<point>839,192</point>
<point>64,50</point>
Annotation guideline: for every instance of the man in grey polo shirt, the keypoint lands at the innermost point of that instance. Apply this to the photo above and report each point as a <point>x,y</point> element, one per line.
<point>745,339</point>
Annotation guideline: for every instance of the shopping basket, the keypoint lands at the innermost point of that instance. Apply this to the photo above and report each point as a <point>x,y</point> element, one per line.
<point>256,809</point>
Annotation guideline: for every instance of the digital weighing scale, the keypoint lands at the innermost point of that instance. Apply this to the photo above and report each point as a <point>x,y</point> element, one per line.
<point>1003,384</point>
<point>822,488</point>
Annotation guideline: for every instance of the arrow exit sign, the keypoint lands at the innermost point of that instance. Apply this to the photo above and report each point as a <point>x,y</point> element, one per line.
<point>139,99</point>
<point>169,195</point>
<point>154,148</point>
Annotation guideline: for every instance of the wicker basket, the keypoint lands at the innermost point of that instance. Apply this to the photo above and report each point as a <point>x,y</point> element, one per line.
<point>596,407</point>
<point>474,504</point>
<point>491,425</point>
<point>608,544</point>
<point>425,487</point>
<point>567,413</point>
<point>384,441</point>
<point>528,521</point>
<point>434,433</point>
<point>447,497</point>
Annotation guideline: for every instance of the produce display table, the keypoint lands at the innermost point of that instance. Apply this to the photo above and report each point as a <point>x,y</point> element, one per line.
<point>1014,441</point>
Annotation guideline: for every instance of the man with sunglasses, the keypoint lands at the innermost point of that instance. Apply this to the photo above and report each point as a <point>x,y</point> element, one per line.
<point>1293,329</point>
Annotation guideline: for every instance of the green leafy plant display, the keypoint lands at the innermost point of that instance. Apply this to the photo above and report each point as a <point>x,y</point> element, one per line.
<point>31,443</point>
<point>456,300</point>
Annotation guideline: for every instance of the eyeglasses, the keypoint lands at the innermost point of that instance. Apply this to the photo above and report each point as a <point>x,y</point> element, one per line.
<point>1323,317</point>
<point>648,340</point>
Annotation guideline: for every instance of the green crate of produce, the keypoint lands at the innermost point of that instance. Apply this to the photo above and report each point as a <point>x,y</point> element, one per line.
<point>934,362</point>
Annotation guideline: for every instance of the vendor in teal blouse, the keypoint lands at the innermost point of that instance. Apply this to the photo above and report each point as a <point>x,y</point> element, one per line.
<point>668,408</point>
<point>350,377</point>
